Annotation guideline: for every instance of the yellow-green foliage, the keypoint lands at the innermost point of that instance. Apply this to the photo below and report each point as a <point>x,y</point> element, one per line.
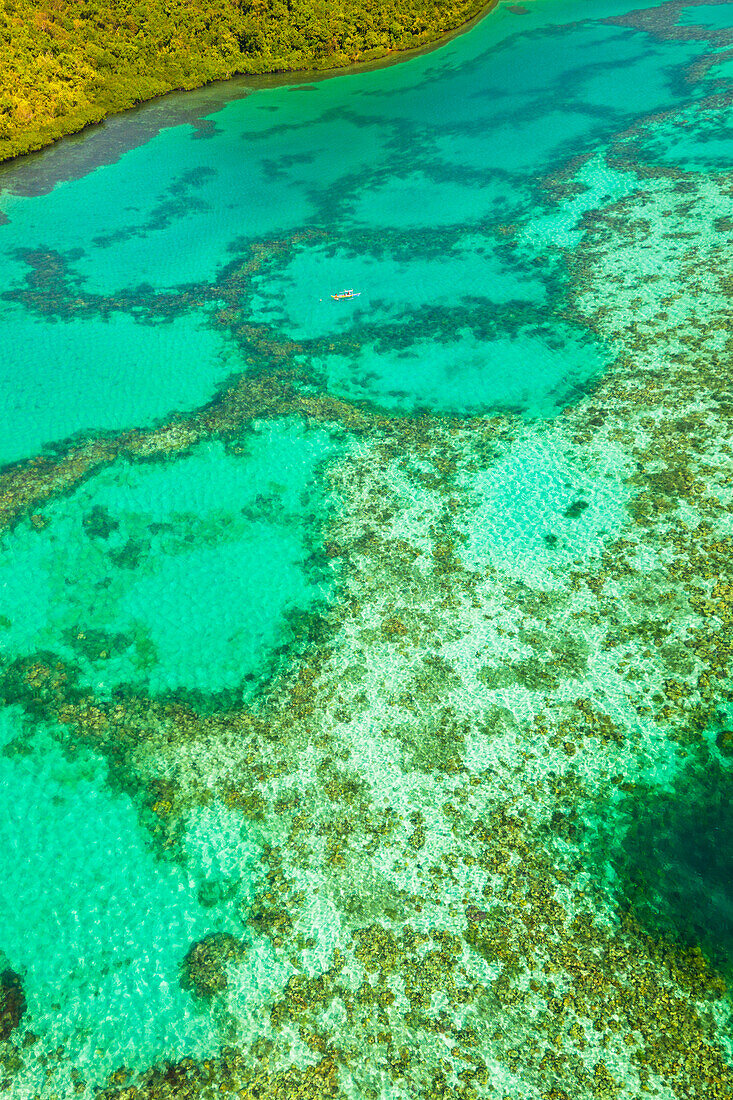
<point>66,63</point>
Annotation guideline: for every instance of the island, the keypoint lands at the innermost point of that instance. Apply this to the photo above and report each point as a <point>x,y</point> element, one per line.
<point>65,65</point>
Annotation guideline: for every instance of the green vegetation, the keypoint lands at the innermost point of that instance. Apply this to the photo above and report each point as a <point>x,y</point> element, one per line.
<point>67,63</point>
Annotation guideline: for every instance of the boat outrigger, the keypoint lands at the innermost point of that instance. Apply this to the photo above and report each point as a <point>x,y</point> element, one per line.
<point>345,294</point>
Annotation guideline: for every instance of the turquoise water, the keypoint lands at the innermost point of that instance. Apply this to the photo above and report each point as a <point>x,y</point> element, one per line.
<point>373,166</point>
<point>166,289</point>
<point>499,373</point>
<point>724,69</point>
<point>538,509</point>
<point>172,575</point>
<point>698,143</point>
<point>719,16</point>
<point>62,378</point>
<point>96,926</point>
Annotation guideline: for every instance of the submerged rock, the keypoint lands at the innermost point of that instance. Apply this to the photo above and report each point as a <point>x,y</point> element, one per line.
<point>98,523</point>
<point>576,509</point>
<point>724,741</point>
<point>204,968</point>
<point>12,1002</point>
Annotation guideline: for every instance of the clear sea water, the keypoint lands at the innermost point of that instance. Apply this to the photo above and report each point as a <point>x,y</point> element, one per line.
<point>135,263</point>
<point>137,572</point>
<point>394,172</point>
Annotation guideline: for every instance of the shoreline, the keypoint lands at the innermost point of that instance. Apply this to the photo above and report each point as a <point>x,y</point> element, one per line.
<point>252,82</point>
<point>393,57</point>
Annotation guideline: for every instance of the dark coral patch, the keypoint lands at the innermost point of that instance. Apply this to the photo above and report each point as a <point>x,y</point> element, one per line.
<point>98,523</point>
<point>204,969</point>
<point>231,1073</point>
<point>671,851</point>
<point>724,741</point>
<point>12,1003</point>
<point>576,509</point>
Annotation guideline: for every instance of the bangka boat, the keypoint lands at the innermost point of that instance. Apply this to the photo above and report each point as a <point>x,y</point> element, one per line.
<point>345,294</point>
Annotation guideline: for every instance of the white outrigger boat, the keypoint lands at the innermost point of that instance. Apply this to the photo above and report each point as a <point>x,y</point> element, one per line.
<point>345,294</point>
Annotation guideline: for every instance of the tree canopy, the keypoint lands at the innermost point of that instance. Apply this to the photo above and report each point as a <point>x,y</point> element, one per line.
<point>67,63</point>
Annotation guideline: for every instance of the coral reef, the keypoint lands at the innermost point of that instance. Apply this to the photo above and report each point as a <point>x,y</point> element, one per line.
<point>489,786</point>
<point>204,969</point>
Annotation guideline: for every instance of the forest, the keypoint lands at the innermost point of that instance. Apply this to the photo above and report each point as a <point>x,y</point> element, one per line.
<point>67,63</point>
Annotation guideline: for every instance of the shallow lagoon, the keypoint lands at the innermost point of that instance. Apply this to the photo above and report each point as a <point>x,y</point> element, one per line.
<point>348,648</point>
<point>449,141</point>
<point>174,575</point>
<point>110,925</point>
